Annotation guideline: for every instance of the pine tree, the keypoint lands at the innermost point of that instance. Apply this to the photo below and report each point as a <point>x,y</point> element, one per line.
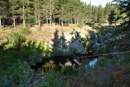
<point>14,10</point>
<point>63,11</point>
<point>2,11</point>
<point>124,6</point>
<point>25,10</point>
<point>94,14</point>
<point>108,8</point>
<point>112,17</point>
<point>89,12</point>
<point>100,14</point>
<point>39,10</point>
<point>51,5</point>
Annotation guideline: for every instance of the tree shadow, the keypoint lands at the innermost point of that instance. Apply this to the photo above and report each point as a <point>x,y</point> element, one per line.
<point>59,44</point>
<point>29,51</point>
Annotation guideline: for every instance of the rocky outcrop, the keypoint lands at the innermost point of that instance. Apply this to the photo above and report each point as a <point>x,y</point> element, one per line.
<point>97,41</point>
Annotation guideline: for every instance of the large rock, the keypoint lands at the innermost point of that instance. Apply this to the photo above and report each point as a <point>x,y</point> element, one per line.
<point>77,46</point>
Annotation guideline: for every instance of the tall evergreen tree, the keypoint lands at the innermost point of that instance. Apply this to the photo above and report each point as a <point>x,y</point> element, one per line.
<point>25,10</point>
<point>112,17</point>
<point>2,11</point>
<point>14,10</point>
<point>124,6</point>
<point>94,14</point>
<point>89,12</point>
<point>63,11</point>
<point>108,8</point>
<point>60,11</point>
<point>51,4</point>
<point>38,5</point>
<point>100,14</point>
<point>77,7</point>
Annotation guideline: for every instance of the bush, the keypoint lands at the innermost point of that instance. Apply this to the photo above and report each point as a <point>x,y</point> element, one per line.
<point>24,31</point>
<point>67,69</point>
<point>53,79</point>
<point>15,39</point>
<point>80,25</point>
<point>92,24</point>
<point>19,75</point>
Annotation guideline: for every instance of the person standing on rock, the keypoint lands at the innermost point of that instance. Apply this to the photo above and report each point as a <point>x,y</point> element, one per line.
<point>77,62</point>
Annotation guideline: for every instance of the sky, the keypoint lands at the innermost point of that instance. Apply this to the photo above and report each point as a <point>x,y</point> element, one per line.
<point>97,2</point>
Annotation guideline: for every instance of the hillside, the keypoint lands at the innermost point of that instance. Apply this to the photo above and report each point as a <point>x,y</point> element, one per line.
<point>109,71</point>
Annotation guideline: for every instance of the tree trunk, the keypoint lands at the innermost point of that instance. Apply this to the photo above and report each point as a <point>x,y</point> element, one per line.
<point>62,18</point>
<point>0,25</point>
<point>46,19</point>
<point>75,20</point>
<point>14,23</point>
<point>39,21</point>
<point>62,23</point>
<point>23,18</point>
<point>71,21</point>
<point>59,21</point>
<point>129,25</point>
<point>36,19</point>
<point>50,15</point>
<point>4,22</point>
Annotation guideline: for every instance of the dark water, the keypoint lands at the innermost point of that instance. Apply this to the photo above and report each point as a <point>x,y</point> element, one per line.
<point>58,62</point>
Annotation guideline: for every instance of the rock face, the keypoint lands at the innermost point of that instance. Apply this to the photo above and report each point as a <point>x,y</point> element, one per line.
<point>97,41</point>
<point>77,46</point>
<point>72,44</point>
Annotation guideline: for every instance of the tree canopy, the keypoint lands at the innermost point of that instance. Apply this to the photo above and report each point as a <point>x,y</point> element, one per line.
<point>58,11</point>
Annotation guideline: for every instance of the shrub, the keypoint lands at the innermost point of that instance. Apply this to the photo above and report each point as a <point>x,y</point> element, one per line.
<point>53,79</point>
<point>80,25</point>
<point>15,39</point>
<point>19,74</point>
<point>67,69</point>
<point>24,31</point>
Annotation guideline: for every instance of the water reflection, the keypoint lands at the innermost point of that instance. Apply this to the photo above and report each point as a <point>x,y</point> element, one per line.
<point>91,63</point>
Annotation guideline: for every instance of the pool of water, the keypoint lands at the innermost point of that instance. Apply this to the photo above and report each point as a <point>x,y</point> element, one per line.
<point>59,62</point>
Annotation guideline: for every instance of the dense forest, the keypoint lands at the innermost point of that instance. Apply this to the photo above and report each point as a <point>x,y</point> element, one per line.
<point>41,39</point>
<point>31,12</point>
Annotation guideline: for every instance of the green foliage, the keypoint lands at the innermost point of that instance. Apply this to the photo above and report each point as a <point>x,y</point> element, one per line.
<point>111,80</point>
<point>124,86</point>
<point>100,18</point>
<point>80,25</point>
<point>14,40</point>
<point>58,52</point>
<point>103,61</point>
<point>67,70</point>
<point>24,31</point>
<point>29,51</point>
<point>19,74</point>
<point>112,17</point>
<point>53,79</point>
<point>30,21</point>
<point>85,42</point>
<point>32,49</point>
<point>73,50</point>
<point>61,11</point>
<point>125,59</point>
<point>124,6</point>
<point>95,25</point>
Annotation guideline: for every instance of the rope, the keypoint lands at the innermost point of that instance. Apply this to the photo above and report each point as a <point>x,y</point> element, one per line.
<point>94,55</point>
<point>105,54</point>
